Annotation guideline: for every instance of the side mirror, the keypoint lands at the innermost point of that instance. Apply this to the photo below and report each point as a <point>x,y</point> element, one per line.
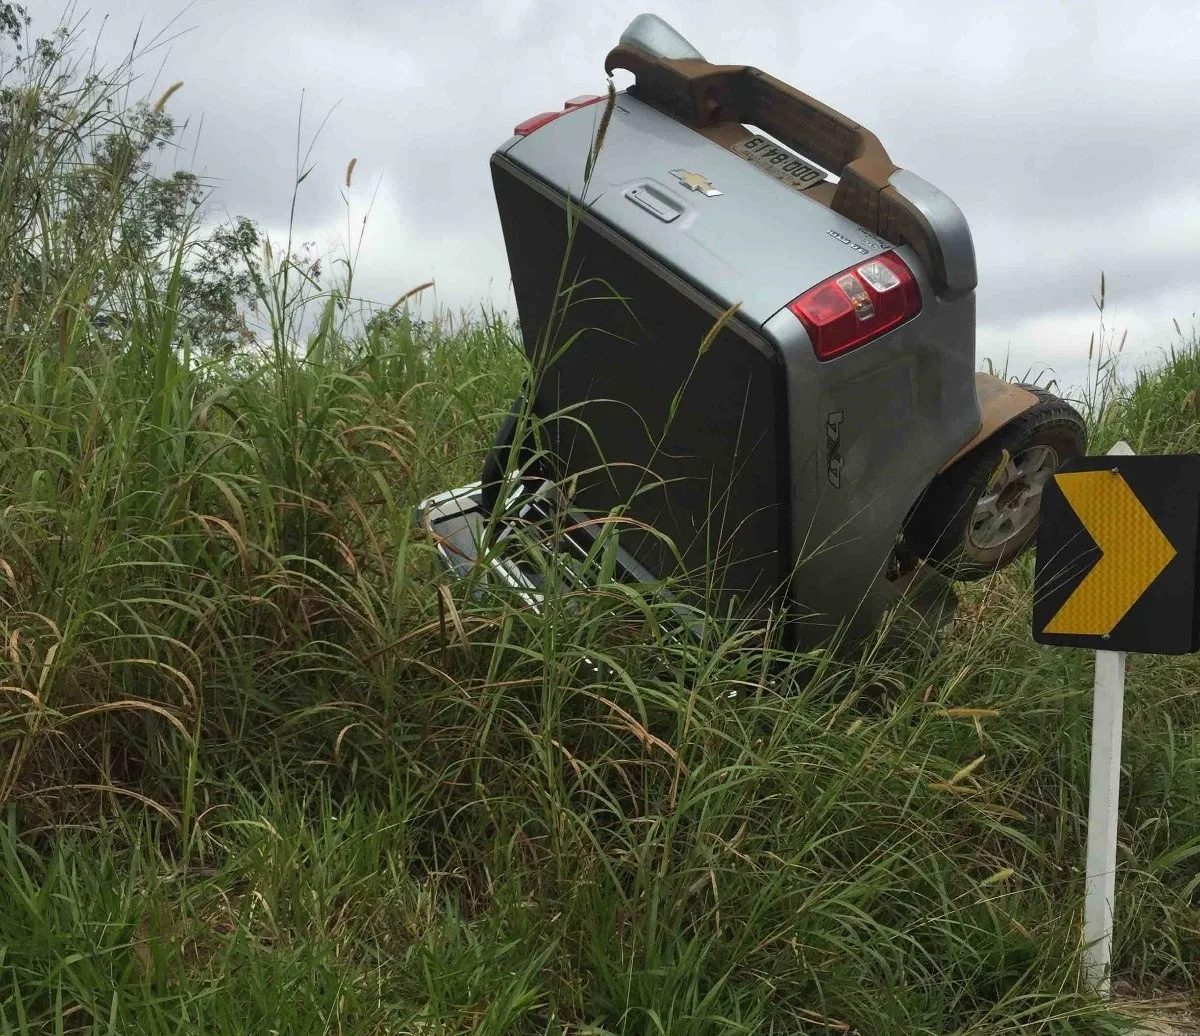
<point>650,33</point>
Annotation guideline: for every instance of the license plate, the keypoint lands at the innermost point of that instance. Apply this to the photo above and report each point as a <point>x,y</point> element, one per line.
<point>781,163</point>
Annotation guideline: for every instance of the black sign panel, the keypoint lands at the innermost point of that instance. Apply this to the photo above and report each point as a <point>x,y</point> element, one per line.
<point>1117,553</point>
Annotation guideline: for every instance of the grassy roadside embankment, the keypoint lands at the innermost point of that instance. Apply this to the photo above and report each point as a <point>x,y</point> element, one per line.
<point>263,772</point>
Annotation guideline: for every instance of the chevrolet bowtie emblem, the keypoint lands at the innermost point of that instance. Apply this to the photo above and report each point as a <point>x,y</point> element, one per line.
<point>695,182</point>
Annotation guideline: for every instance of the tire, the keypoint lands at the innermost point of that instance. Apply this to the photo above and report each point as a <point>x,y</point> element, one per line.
<point>962,533</point>
<point>531,469</point>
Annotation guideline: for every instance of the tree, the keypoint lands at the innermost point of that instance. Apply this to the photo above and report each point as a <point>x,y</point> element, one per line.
<point>85,214</point>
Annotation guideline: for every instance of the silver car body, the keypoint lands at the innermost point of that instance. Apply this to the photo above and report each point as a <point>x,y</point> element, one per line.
<point>818,462</point>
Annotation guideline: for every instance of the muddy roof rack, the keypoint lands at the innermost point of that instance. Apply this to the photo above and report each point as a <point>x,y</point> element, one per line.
<point>672,76</point>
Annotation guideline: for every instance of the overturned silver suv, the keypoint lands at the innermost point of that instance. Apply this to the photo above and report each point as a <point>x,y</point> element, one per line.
<point>752,351</point>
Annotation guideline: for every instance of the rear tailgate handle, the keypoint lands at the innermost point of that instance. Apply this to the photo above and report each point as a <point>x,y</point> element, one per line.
<point>655,200</point>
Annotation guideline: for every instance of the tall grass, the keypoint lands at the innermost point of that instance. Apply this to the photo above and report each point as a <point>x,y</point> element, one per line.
<point>264,769</point>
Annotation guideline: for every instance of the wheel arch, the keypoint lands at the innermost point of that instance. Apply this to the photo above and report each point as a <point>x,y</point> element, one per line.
<point>999,403</point>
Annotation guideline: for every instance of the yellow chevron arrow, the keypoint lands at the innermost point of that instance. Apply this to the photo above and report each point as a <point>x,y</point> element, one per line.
<point>1134,550</point>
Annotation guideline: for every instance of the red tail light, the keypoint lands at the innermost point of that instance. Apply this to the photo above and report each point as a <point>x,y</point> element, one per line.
<point>536,122</point>
<point>858,305</point>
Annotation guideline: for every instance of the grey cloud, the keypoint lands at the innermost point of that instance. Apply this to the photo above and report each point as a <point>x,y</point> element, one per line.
<point>1063,131</point>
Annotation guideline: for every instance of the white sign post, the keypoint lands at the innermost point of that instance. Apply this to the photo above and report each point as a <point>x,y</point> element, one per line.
<point>1107,706</point>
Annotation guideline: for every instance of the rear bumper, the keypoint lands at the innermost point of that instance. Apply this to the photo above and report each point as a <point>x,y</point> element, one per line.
<point>503,556</point>
<point>518,552</point>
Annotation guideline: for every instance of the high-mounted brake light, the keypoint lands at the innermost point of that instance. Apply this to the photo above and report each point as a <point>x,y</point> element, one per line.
<point>860,304</point>
<point>536,122</point>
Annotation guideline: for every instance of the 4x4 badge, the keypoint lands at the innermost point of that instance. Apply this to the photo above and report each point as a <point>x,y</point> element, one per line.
<point>695,182</point>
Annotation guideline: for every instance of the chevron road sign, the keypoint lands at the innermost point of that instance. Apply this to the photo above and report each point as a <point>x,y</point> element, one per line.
<point>1116,555</point>
<point>1116,571</point>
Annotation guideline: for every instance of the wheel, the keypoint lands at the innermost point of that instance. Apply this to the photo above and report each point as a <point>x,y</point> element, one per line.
<point>981,513</point>
<point>528,466</point>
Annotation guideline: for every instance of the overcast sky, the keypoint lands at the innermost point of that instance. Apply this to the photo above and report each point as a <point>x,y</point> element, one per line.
<point>1069,133</point>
